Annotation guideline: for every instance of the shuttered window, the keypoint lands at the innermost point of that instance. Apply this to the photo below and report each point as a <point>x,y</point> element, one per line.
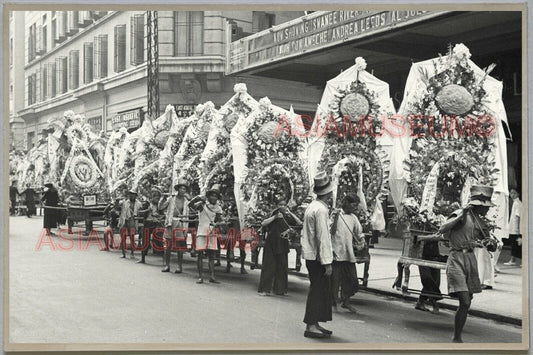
<point>44,83</point>
<point>74,69</point>
<point>87,62</point>
<point>62,79</point>
<point>73,22</point>
<point>137,39</point>
<point>188,33</point>
<point>120,48</point>
<point>100,56</point>
<point>51,79</point>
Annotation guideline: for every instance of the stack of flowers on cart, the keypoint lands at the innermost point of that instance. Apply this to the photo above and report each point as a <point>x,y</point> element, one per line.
<point>275,161</point>
<point>219,142</point>
<point>113,151</point>
<point>81,174</point>
<point>175,138</point>
<point>454,142</point>
<point>187,159</point>
<point>148,152</point>
<point>347,131</point>
<point>222,174</point>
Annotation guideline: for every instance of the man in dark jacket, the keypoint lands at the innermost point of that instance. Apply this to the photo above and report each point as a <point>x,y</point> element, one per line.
<point>13,193</point>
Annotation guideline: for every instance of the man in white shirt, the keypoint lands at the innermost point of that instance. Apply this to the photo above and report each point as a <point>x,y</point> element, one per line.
<point>515,235</point>
<point>318,254</point>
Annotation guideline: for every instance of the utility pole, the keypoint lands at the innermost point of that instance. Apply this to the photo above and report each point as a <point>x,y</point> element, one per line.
<point>153,64</point>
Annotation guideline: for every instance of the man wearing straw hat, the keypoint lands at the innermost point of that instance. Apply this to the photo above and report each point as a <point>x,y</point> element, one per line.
<point>177,213</point>
<point>466,230</point>
<point>209,213</point>
<point>318,254</point>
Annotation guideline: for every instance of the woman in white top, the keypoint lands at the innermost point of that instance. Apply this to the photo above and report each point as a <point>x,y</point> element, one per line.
<point>346,231</point>
<point>515,235</point>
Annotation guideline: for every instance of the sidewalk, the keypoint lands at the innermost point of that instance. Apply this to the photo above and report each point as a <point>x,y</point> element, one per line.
<point>502,303</point>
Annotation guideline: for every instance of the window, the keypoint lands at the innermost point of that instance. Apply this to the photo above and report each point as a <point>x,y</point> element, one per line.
<point>87,62</point>
<point>32,88</point>
<point>53,32</point>
<point>44,34</point>
<point>74,69</point>
<point>73,19</point>
<point>120,48</point>
<point>29,86</point>
<point>137,39</point>
<point>61,67</point>
<point>39,50</point>
<point>188,33</point>
<point>51,81</point>
<point>62,26</point>
<point>262,20</point>
<point>44,83</point>
<point>84,18</point>
<point>100,56</point>
<point>32,42</point>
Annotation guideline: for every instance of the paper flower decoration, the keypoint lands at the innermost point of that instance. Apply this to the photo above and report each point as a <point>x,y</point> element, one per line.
<point>461,52</point>
<point>240,88</point>
<point>360,63</point>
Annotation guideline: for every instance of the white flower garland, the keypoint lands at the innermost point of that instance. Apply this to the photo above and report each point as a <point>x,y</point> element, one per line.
<point>81,159</point>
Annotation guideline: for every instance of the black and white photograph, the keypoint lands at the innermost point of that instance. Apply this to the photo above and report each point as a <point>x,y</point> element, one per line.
<point>260,177</point>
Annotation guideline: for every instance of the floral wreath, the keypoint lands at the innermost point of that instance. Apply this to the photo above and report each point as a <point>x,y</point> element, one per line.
<point>76,131</point>
<point>280,177</point>
<point>452,92</point>
<point>374,168</point>
<point>458,160</point>
<point>92,173</point>
<point>222,174</point>
<point>264,142</point>
<point>192,174</point>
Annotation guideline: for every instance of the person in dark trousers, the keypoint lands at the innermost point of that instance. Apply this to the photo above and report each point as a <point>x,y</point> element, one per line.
<point>154,218</point>
<point>29,196</point>
<point>430,278</point>
<point>515,230</point>
<point>50,199</point>
<point>129,210</point>
<point>346,231</point>
<point>13,193</point>
<point>318,254</point>
<point>275,265</point>
<point>465,230</point>
<point>51,215</point>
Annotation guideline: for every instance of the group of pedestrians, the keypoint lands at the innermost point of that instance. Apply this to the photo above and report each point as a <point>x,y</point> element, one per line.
<point>29,195</point>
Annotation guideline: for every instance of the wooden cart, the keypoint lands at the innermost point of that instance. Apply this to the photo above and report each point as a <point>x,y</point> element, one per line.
<point>85,214</point>
<point>413,245</point>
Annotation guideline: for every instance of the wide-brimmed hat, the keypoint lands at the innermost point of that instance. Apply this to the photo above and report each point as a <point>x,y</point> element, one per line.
<point>157,189</point>
<point>48,184</point>
<point>132,192</point>
<point>323,185</point>
<point>481,195</point>
<point>215,189</point>
<point>181,182</point>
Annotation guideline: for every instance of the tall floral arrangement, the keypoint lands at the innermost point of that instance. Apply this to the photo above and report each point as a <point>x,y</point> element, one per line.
<point>452,99</point>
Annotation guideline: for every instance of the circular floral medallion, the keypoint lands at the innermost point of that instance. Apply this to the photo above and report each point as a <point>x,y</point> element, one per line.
<point>454,99</point>
<point>355,105</point>
<point>83,172</point>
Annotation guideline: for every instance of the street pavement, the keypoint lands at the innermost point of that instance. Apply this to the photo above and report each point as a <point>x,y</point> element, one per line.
<point>90,296</point>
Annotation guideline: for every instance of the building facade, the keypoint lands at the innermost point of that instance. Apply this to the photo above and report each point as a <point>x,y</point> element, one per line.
<point>95,64</point>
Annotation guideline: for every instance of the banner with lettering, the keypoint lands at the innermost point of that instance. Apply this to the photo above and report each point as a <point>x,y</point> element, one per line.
<point>430,189</point>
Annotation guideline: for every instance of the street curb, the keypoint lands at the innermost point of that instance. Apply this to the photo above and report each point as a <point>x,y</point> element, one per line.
<point>473,312</point>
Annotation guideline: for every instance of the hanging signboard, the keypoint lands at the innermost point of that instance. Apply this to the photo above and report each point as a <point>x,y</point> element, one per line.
<point>128,119</point>
<point>312,32</point>
<point>184,111</point>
